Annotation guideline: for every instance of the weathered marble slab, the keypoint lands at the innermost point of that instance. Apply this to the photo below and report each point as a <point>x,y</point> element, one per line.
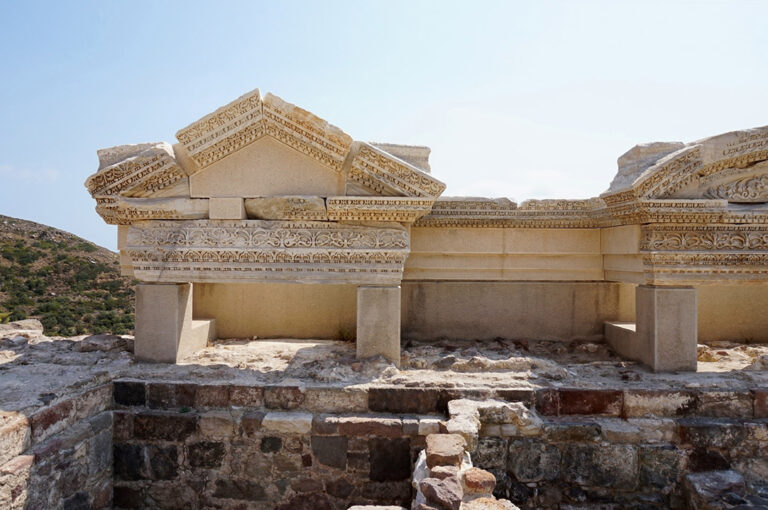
<point>253,250</point>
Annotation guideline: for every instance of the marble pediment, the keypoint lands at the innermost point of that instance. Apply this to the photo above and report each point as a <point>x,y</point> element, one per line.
<point>732,166</point>
<point>258,147</point>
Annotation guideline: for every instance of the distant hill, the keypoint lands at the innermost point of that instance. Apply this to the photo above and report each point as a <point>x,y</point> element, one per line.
<point>70,284</point>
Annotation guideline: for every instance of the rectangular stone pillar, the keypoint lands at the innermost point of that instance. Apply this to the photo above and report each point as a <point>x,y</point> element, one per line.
<point>165,331</point>
<point>667,327</point>
<point>378,322</point>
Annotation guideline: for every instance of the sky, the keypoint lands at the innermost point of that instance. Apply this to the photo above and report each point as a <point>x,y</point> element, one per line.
<point>516,99</point>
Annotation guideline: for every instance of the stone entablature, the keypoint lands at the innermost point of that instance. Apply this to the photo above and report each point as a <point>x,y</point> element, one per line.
<point>253,250</point>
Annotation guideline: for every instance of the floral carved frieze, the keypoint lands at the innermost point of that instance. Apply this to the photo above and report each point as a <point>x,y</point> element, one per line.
<point>255,250</point>
<point>746,190</point>
<point>704,238</point>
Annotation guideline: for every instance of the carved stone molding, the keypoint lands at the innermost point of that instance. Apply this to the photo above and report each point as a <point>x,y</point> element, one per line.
<point>144,170</point>
<point>254,250</point>
<point>704,238</point>
<point>250,117</point>
<point>398,209</point>
<point>686,268</point>
<point>125,211</point>
<point>750,189</point>
<point>458,212</point>
<point>224,131</point>
<point>383,174</point>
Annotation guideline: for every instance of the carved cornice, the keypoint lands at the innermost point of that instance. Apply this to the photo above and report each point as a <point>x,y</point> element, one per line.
<point>250,117</point>
<point>306,132</point>
<point>670,174</point>
<point>136,171</point>
<point>452,212</point>
<point>398,209</point>
<point>224,131</point>
<point>253,250</point>
<point>125,211</point>
<point>383,174</point>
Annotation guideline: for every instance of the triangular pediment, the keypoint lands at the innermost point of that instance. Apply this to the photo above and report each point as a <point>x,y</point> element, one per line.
<point>251,117</point>
<point>731,166</point>
<point>260,146</point>
<point>230,134</point>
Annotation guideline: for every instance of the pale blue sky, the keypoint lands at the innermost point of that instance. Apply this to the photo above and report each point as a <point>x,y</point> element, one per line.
<point>517,99</point>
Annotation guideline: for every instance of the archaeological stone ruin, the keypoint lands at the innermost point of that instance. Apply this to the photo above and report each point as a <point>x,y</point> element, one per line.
<point>261,193</point>
<point>319,328</point>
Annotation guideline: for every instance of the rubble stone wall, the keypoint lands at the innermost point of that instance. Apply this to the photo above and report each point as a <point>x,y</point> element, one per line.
<point>60,456</point>
<point>225,446</point>
<point>137,444</point>
<point>625,449</point>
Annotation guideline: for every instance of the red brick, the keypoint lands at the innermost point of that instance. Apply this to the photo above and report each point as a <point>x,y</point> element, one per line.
<point>760,397</point>
<point>167,427</point>
<point>185,394</point>
<point>548,402</point>
<point>123,426</point>
<point>366,426</point>
<point>215,395</point>
<point>404,400</point>
<point>93,402</point>
<point>52,419</point>
<point>283,397</point>
<point>578,401</point>
<point>246,396</point>
<point>162,395</point>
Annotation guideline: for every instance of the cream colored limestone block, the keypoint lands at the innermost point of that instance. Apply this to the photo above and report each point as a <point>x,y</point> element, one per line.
<point>165,331</point>
<point>667,327</point>
<point>733,312</point>
<point>230,208</point>
<point>263,168</point>
<point>122,236</point>
<point>278,310</point>
<point>533,310</point>
<point>286,208</point>
<point>378,322</point>
<point>622,337</point>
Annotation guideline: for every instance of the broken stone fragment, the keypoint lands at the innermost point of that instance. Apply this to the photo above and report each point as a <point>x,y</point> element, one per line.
<point>488,504</point>
<point>286,208</point>
<point>443,472</point>
<point>104,343</point>
<point>22,325</point>
<point>445,450</point>
<point>705,490</point>
<point>445,494</point>
<point>478,481</point>
<point>638,159</point>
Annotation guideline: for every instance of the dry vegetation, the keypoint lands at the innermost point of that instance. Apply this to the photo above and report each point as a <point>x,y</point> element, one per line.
<point>71,285</point>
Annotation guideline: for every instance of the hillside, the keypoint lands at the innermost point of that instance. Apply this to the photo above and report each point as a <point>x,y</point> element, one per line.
<point>71,285</point>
